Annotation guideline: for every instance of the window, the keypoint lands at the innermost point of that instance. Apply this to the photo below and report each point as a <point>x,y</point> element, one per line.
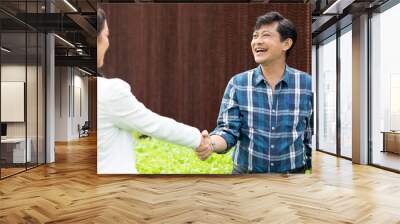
<point>327,95</point>
<point>346,75</point>
<point>385,88</point>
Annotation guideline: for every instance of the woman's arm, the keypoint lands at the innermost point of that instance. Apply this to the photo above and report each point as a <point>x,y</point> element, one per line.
<point>130,114</point>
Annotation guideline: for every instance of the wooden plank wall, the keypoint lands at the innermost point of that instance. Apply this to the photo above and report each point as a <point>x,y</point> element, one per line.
<point>178,58</point>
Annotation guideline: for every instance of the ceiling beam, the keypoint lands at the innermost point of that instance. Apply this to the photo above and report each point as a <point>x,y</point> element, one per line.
<point>84,24</point>
<point>78,61</point>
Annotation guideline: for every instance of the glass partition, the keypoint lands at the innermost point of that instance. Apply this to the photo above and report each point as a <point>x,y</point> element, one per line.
<point>14,154</point>
<point>22,87</point>
<point>385,89</point>
<point>327,95</point>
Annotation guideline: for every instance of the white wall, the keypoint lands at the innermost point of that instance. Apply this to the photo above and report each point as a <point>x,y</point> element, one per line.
<point>62,80</point>
<point>71,94</point>
<point>17,73</point>
<point>80,110</point>
<point>33,127</point>
<point>14,73</point>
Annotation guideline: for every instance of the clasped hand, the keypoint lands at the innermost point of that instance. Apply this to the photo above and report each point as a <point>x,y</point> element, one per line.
<point>205,148</point>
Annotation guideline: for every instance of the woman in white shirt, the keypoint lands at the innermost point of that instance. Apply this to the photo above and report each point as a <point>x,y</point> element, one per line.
<point>119,113</point>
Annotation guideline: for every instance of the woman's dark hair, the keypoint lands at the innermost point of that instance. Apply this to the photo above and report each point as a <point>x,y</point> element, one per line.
<point>286,29</point>
<point>101,20</point>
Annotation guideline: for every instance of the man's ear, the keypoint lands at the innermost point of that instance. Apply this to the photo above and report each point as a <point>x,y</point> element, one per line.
<point>287,44</point>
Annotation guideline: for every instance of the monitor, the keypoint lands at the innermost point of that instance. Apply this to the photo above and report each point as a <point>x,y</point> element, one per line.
<point>3,129</point>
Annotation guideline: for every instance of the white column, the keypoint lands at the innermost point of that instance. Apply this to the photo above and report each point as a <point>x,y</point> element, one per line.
<point>50,93</point>
<point>360,90</point>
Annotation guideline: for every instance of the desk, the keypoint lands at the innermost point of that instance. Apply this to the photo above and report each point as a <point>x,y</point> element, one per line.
<point>17,150</point>
<point>391,141</point>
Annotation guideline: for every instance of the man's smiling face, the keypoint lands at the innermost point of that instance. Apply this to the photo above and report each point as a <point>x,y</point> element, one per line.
<point>266,44</point>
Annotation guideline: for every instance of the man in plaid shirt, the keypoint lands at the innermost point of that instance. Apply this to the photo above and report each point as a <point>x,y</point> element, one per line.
<point>267,111</point>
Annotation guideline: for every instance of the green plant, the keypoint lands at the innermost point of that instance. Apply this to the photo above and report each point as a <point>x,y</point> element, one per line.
<point>154,156</point>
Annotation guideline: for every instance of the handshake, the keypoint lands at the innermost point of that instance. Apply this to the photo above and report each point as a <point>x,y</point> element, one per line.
<point>205,148</point>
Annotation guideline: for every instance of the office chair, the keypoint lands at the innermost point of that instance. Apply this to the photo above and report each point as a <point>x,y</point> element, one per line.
<point>84,130</point>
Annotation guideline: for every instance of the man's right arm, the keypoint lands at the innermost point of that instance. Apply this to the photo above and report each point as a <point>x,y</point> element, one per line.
<point>226,133</point>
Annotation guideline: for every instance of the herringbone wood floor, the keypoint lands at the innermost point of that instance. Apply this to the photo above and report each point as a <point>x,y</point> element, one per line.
<point>70,191</point>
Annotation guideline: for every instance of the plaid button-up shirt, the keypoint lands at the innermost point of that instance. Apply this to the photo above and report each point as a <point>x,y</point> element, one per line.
<point>272,129</point>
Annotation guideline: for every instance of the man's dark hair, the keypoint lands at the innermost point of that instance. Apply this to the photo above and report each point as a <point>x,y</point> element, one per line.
<point>101,20</point>
<point>286,29</point>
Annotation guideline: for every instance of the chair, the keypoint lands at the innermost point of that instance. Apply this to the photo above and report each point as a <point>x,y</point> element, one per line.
<point>84,130</point>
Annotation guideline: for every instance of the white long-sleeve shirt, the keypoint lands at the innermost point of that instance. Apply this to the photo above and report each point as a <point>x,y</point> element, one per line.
<point>118,114</point>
